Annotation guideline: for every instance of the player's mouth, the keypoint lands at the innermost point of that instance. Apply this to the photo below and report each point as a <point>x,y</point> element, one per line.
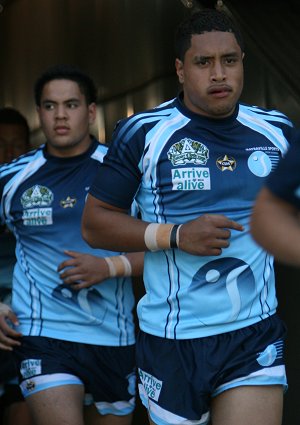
<point>61,130</point>
<point>219,91</point>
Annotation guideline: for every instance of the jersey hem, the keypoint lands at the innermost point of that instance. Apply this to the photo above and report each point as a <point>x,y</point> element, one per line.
<point>207,331</point>
<point>89,339</point>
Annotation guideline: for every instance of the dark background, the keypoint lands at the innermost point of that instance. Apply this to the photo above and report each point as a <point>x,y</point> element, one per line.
<point>127,47</point>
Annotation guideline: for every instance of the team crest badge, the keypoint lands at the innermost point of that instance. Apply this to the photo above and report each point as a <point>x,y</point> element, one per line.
<point>37,196</point>
<point>36,202</point>
<point>188,151</point>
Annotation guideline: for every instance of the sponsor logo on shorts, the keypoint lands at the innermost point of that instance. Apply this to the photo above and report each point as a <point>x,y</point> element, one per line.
<point>31,367</point>
<point>131,383</point>
<point>151,384</point>
<point>30,385</point>
<point>270,354</point>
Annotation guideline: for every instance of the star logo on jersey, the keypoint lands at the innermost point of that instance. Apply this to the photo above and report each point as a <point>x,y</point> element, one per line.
<point>68,202</point>
<point>188,150</point>
<point>226,163</point>
<point>37,196</point>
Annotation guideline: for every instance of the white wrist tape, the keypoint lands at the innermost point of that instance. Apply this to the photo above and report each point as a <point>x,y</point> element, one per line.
<point>118,266</point>
<point>150,236</point>
<point>158,236</point>
<point>177,235</point>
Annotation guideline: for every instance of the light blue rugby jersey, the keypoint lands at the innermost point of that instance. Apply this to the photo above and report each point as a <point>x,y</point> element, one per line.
<point>180,165</point>
<point>42,202</point>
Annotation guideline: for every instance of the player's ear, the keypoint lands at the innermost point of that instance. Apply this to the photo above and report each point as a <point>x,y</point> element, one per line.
<point>179,70</point>
<point>92,112</point>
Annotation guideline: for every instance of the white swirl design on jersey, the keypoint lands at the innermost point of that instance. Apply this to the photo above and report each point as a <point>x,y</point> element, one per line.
<point>259,164</point>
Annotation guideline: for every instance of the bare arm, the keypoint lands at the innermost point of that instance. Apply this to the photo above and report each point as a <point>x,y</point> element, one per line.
<point>107,227</point>
<point>137,262</point>
<point>275,226</point>
<point>104,226</point>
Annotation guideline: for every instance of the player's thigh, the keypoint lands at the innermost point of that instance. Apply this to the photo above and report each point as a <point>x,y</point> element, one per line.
<point>58,405</point>
<point>93,417</point>
<point>248,405</point>
<point>17,413</point>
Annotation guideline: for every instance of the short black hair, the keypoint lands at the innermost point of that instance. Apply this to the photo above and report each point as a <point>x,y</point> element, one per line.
<point>206,20</point>
<point>66,72</point>
<point>9,115</point>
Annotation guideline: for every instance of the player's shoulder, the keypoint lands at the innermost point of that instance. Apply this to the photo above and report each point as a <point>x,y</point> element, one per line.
<point>148,116</point>
<point>254,112</point>
<point>19,163</point>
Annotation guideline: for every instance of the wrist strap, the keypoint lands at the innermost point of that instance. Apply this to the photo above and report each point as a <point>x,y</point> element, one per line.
<point>173,236</point>
<point>118,266</point>
<point>161,236</point>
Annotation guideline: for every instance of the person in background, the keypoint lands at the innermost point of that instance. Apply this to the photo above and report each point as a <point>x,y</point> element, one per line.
<point>14,134</point>
<point>70,326</point>
<point>14,141</point>
<point>211,344</point>
<point>275,223</point>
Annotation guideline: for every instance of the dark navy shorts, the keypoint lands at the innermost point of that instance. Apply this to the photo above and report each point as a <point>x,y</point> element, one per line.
<point>107,373</point>
<point>178,378</point>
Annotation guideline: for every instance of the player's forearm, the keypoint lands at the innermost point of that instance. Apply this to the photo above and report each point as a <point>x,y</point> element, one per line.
<point>103,226</point>
<point>137,262</point>
<point>110,229</point>
<point>106,228</point>
<point>275,226</point>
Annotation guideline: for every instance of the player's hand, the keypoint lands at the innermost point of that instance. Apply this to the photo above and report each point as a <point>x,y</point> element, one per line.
<point>8,335</point>
<point>83,270</point>
<point>207,235</point>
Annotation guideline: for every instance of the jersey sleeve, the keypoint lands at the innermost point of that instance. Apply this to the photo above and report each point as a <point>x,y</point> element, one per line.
<point>120,169</point>
<point>284,182</point>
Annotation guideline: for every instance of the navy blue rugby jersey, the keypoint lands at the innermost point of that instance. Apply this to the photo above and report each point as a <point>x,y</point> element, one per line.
<point>285,181</point>
<point>179,165</point>
<point>42,202</point>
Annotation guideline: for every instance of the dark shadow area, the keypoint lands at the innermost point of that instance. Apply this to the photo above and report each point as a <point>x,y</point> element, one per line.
<point>288,290</point>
